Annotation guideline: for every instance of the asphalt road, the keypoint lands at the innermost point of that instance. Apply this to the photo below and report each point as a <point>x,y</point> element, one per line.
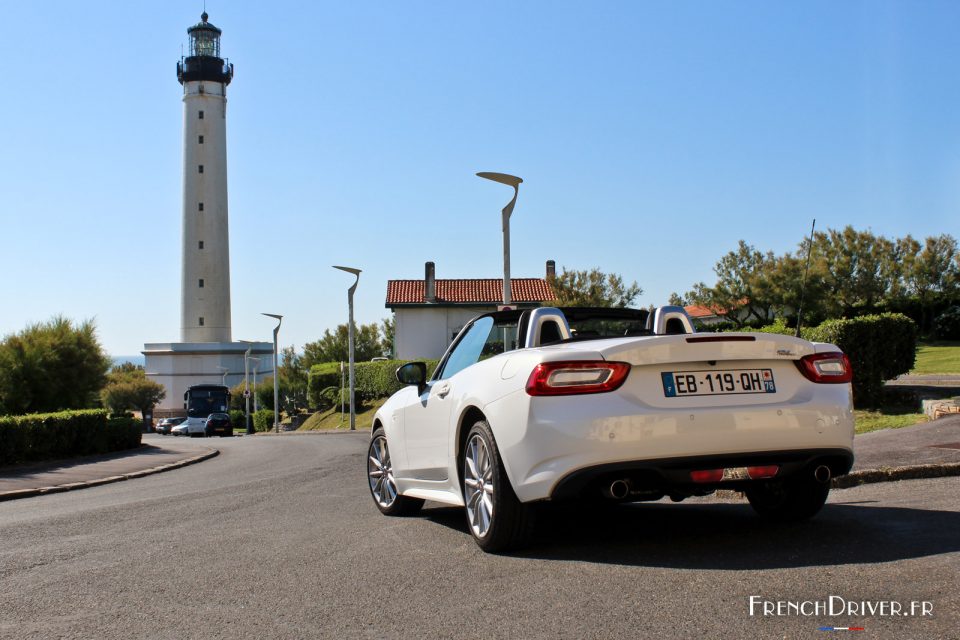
<point>277,538</point>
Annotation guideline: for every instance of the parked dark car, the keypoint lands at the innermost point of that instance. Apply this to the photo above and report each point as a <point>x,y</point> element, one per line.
<point>219,424</point>
<point>164,426</point>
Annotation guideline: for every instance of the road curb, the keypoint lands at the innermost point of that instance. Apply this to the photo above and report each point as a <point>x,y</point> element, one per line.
<point>893,474</point>
<point>60,488</point>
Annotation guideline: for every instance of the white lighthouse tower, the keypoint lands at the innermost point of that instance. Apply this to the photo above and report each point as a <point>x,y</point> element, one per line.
<point>205,353</point>
<point>205,290</point>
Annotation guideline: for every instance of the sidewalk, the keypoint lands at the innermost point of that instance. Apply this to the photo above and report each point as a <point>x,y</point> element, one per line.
<point>925,450</point>
<point>156,455</point>
<point>926,380</point>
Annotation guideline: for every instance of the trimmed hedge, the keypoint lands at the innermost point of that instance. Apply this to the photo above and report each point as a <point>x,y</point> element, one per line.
<point>322,376</point>
<point>46,436</point>
<point>880,348</point>
<point>372,379</point>
<point>263,420</point>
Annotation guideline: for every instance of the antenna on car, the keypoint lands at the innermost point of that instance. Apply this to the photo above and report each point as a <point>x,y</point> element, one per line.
<point>803,284</point>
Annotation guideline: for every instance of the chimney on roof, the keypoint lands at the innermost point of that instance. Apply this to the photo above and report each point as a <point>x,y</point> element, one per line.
<point>551,269</point>
<point>430,282</point>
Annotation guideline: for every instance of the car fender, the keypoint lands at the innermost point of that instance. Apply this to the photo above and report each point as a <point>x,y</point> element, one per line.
<point>390,417</point>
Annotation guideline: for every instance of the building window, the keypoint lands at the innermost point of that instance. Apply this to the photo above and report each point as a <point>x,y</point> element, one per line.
<point>201,244</point>
<point>201,321</point>
<point>200,140</point>
<point>200,204</point>
<point>201,168</point>
<point>201,115</point>
<point>201,283</point>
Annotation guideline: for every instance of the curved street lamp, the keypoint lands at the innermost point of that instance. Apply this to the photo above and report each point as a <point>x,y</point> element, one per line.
<point>510,181</point>
<point>356,272</point>
<point>246,385</point>
<point>276,372</point>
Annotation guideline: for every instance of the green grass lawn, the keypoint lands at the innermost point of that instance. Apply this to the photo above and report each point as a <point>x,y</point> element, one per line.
<point>329,420</point>
<point>885,418</point>
<point>937,357</point>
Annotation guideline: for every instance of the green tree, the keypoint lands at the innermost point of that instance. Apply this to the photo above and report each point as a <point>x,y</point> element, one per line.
<point>592,288</point>
<point>851,266</point>
<point>334,346</point>
<point>128,388</point>
<point>52,366</point>
<point>387,333</point>
<point>677,300</point>
<point>292,398</point>
<point>932,272</point>
<point>743,291</point>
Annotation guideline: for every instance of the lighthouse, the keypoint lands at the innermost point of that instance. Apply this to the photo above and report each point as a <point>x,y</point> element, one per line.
<point>205,287</point>
<point>206,353</point>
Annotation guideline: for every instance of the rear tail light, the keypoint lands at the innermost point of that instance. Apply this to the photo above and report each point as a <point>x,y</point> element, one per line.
<point>577,377</point>
<point>829,368</point>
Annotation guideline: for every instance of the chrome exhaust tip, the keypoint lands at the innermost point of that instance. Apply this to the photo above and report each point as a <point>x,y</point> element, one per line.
<point>618,489</point>
<point>822,474</point>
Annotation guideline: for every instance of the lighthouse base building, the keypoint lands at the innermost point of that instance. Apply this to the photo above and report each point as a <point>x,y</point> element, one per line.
<point>206,353</point>
<point>180,365</point>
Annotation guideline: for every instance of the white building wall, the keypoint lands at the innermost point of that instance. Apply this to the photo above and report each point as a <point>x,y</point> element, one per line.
<point>426,332</point>
<point>177,366</point>
<point>210,226</point>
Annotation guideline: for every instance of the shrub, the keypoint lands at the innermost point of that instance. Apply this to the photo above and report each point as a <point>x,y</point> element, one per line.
<point>263,420</point>
<point>238,419</point>
<point>379,379</point>
<point>947,324</point>
<point>372,379</point>
<point>123,433</point>
<point>778,326</point>
<point>45,436</point>
<point>880,348</point>
<point>322,377</point>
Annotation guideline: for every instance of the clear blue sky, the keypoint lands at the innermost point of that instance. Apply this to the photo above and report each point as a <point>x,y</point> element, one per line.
<point>651,138</point>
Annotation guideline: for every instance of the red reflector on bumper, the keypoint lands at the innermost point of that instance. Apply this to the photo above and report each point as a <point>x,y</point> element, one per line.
<point>761,473</point>
<point>708,475</point>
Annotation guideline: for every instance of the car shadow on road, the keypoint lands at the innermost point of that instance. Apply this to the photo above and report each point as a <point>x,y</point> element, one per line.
<point>730,536</point>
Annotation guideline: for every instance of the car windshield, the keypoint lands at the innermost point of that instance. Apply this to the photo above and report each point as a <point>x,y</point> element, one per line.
<point>591,324</point>
<point>202,403</point>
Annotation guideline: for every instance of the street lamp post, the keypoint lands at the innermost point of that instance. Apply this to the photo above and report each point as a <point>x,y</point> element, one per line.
<point>246,386</point>
<point>356,272</point>
<point>254,392</point>
<point>276,372</point>
<point>510,181</point>
<point>225,372</point>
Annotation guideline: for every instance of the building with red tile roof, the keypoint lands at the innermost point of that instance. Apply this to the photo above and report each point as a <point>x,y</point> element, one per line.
<point>429,313</point>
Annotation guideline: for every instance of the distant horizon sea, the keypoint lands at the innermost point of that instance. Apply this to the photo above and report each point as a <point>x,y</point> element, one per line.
<point>137,360</point>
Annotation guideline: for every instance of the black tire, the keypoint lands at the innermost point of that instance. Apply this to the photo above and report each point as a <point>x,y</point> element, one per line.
<point>380,481</point>
<point>790,500</point>
<point>509,522</point>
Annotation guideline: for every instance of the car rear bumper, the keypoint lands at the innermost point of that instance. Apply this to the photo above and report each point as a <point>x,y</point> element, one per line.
<point>571,440</point>
<point>671,476</point>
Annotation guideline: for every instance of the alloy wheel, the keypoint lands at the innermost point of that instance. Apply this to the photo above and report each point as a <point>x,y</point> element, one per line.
<point>478,485</point>
<point>380,473</point>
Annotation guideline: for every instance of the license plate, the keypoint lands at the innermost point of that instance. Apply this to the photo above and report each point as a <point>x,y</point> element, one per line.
<point>717,383</point>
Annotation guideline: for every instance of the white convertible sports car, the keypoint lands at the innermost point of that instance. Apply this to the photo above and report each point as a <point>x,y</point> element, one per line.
<point>611,404</point>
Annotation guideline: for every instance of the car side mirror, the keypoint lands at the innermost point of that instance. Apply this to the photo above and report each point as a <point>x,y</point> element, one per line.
<point>413,373</point>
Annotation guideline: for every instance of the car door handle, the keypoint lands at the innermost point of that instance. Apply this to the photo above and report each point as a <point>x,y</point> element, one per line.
<point>443,390</point>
